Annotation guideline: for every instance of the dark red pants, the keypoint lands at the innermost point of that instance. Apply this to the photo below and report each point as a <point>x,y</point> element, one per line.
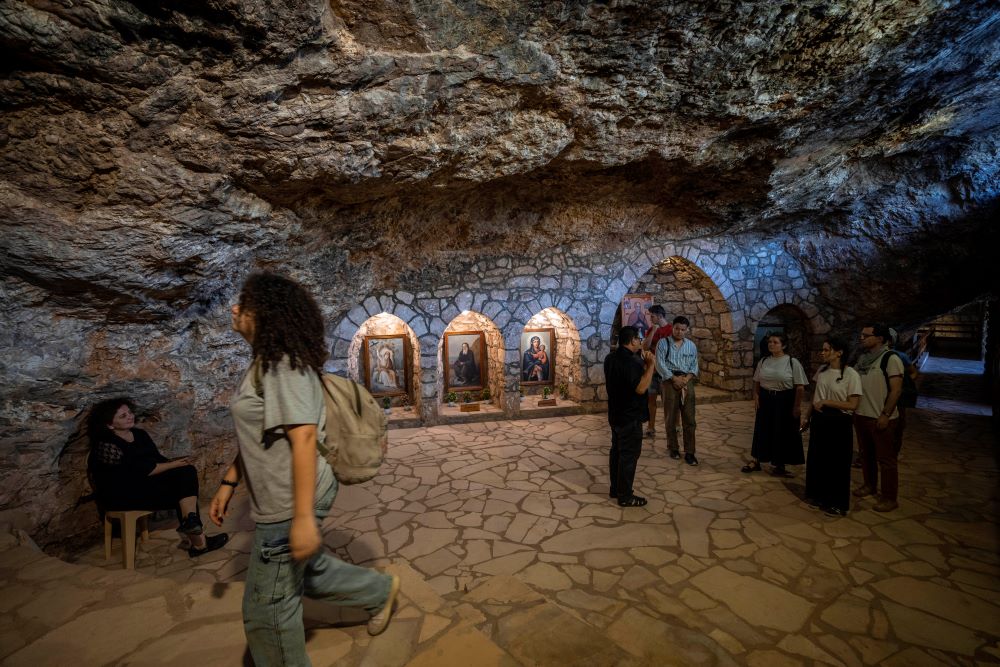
<point>877,448</point>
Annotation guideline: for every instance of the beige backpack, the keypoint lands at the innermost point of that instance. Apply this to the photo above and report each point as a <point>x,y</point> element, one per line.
<point>357,434</point>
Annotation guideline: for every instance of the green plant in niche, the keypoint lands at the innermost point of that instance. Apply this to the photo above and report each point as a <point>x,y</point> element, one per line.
<point>451,397</point>
<point>406,402</point>
<point>386,402</point>
<point>520,390</point>
<point>545,392</point>
<point>564,391</point>
<point>466,397</point>
<point>485,394</point>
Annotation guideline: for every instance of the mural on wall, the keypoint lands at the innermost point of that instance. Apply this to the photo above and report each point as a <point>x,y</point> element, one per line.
<point>386,362</point>
<point>538,352</point>
<point>465,360</point>
<point>635,313</point>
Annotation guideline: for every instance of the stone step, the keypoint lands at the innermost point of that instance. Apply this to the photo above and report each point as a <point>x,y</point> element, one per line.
<point>535,630</point>
<point>53,612</point>
<point>538,630</point>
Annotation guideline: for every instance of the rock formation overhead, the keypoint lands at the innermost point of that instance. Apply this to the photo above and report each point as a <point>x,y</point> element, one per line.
<point>155,153</point>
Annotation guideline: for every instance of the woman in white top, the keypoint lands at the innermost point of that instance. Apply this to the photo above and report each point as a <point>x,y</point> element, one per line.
<point>778,386</point>
<point>828,468</point>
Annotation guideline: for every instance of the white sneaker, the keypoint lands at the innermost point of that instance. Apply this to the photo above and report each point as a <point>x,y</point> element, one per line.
<point>380,621</point>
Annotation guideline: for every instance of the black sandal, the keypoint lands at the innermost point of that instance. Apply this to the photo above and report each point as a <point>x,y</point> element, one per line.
<point>751,467</point>
<point>632,501</point>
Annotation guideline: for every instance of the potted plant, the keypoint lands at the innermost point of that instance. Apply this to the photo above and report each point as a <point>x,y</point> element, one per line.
<point>485,394</point>
<point>520,393</point>
<point>564,391</point>
<point>545,393</point>
<point>387,404</point>
<point>466,397</point>
<point>451,397</point>
<point>407,406</point>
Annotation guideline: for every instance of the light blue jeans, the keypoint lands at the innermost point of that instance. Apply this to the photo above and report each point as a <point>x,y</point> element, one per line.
<point>272,600</point>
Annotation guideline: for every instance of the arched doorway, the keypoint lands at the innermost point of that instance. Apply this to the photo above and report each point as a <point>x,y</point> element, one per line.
<point>790,320</point>
<point>682,288</point>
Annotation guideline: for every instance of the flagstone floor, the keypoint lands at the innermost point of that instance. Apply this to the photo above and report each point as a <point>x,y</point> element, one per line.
<point>512,554</point>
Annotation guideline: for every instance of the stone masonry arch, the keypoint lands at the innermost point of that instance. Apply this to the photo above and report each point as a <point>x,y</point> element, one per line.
<point>495,353</point>
<point>682,288</point>
<point>567,362</point>
<point>386,324</point>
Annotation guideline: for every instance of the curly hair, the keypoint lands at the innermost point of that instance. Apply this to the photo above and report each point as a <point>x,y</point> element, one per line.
<point>102,414</point>
<point>287,321</point>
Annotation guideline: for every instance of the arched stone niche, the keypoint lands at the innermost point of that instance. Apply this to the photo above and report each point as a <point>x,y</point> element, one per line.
<point>567,367</point>
<point>384,324</point>
<point>472,321</point>
<point>803,343</point>
<point>682,288</point>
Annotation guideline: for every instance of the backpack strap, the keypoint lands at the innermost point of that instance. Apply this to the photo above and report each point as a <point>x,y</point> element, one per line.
<point>884,365</point>
<point>257,377</point>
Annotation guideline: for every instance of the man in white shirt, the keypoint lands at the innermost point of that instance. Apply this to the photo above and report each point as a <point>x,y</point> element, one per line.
<point>876,419</point>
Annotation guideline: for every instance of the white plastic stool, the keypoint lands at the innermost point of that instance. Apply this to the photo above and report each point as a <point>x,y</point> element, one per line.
<point>128,520</point>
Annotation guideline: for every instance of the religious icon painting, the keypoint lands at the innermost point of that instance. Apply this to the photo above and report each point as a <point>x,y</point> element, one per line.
<point>465,364</point>
<point>538,356</point>
<point>387,363</point>
<point>635,312</point>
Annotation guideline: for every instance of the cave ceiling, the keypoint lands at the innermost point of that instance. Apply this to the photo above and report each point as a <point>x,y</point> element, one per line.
<point>152,151</point>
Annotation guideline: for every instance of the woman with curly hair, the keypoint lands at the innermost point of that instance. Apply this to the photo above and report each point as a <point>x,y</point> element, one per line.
<point>129,473</point>
<point>280,416</point>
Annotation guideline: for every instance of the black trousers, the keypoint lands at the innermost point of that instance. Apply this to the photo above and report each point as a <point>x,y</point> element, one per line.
<point>828,466</point>
<point>156,492</point>
<point>626,445</point>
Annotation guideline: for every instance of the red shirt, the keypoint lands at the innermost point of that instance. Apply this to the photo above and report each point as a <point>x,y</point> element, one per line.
<point>662,332</point>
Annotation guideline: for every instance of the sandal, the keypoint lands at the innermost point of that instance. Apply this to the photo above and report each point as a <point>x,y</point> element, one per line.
<point>751,467</point>
<point>631,501</point>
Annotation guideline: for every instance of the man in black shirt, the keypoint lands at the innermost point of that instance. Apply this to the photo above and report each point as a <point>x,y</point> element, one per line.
<point>627,376</point>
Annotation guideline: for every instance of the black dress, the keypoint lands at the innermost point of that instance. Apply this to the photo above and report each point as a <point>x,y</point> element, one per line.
<point>121,475</point>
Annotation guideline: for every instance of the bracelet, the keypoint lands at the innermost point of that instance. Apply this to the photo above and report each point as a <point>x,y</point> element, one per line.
<point>228,483</point>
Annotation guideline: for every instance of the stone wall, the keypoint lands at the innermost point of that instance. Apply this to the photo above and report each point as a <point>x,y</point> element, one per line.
<point>683,289</point>
<point>728,286</point>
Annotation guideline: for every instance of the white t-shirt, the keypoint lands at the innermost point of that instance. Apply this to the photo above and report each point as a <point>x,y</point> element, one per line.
<point>286,397</point>
<point>873,387</point>
<point>830,386</point>
<point>779,373</point>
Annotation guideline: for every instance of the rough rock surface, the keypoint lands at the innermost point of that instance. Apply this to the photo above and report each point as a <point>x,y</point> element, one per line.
<point>153,154</point>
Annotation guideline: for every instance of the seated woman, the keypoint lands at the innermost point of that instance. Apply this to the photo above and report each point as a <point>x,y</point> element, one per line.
<point>129,473</point>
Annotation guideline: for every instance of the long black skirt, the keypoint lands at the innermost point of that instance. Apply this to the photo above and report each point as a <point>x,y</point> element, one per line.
<point>776,436</point>
<point>828,469</point>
